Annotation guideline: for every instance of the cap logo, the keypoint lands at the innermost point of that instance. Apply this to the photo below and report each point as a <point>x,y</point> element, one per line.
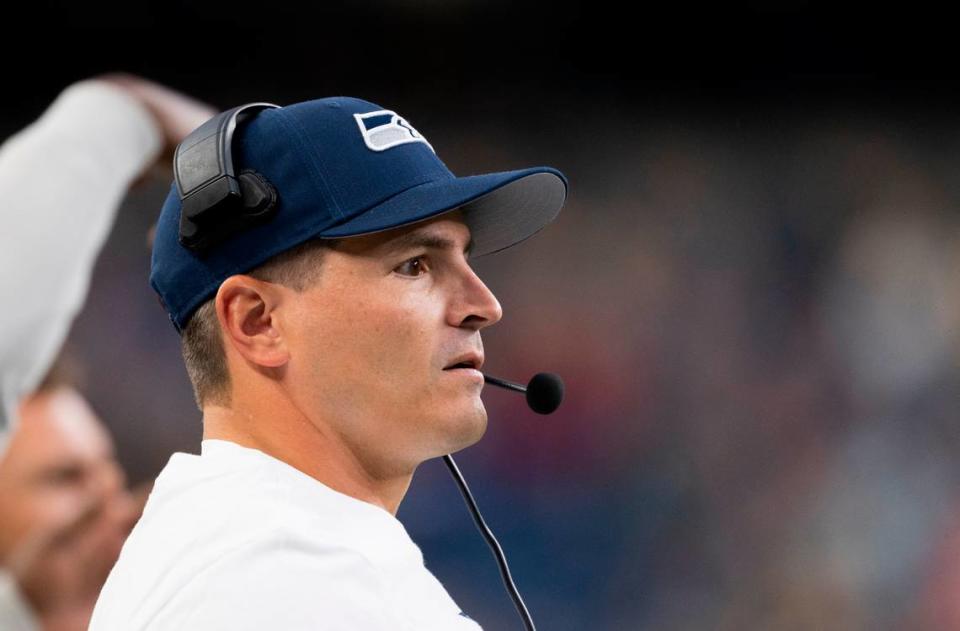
<point>384,129</point>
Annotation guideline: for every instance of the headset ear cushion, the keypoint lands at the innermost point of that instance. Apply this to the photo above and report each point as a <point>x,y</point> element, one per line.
<point>258,194</point>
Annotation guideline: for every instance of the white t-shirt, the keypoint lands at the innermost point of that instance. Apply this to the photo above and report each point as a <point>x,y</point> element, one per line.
<point>235,539</point>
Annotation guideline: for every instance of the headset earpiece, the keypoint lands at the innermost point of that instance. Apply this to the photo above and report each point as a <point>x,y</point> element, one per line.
<point>215,202</point>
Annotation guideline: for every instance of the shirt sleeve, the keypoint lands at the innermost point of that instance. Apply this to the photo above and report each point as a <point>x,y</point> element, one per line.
<point>61,181</point>
<point>15,613</point>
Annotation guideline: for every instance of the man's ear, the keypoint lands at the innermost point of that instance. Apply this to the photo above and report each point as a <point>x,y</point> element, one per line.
<point>246,311</point>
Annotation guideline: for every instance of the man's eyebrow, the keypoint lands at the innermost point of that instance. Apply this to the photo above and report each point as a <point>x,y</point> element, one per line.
<point>413,240</point>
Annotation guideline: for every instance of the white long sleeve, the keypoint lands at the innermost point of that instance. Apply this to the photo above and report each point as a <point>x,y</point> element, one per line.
<point>61,181</point>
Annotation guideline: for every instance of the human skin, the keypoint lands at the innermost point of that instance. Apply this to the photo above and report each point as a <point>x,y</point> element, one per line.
<point>65,510</point>
<point>346,380</point>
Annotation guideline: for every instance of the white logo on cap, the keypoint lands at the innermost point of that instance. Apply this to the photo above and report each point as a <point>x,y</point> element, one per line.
<point>384,129</point>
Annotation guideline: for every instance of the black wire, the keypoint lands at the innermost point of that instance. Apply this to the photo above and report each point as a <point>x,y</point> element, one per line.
<point>503,383</point>
<point>492,542</point>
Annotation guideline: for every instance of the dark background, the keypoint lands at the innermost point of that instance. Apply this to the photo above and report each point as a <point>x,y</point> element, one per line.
<point>498,56</point>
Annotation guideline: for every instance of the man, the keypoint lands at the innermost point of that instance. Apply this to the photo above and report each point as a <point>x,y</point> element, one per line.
<point>334,345</point>
<point>65,510</point>
<point>62,179</point>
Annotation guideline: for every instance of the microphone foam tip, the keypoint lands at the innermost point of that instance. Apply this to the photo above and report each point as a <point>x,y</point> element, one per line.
<point>545,392</point>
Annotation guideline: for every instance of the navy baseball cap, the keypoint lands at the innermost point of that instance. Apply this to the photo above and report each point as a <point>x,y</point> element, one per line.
<point>345,167</point>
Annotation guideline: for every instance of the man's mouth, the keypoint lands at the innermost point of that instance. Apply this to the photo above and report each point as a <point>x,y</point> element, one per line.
<point>467,365</point>
<point>461,365</point>
<point>470,360</point>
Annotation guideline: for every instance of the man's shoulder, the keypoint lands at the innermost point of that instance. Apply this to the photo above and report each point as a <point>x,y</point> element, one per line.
<point>189,564</point>
<point>203,511</point>
<point>261,544</point>
<point>274,575</point>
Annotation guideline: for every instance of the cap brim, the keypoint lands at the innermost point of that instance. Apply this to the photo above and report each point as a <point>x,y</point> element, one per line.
<point>501,209</point>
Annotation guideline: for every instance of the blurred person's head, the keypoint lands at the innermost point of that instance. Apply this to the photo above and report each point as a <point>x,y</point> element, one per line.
<point>65,510</point>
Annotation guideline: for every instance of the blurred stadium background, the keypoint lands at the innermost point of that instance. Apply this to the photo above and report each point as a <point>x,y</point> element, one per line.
<point>753,293</point>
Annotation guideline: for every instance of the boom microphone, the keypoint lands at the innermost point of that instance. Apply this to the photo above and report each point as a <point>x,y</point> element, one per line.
<point>544,391</point>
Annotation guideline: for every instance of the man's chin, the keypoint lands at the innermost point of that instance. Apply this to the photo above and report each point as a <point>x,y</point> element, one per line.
<point>467,431</point>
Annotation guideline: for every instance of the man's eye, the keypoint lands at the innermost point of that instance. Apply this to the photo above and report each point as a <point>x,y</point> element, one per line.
<point>413,267</point>
<point>66,475</point>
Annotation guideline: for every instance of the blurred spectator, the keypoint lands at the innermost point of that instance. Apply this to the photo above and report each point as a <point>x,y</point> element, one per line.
<point>65,510</point>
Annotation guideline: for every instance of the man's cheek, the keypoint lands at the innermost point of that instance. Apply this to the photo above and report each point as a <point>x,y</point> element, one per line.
<point>402,338</point>
<point>55,506</point>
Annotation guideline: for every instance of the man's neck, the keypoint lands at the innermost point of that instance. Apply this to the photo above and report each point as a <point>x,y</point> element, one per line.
<point>303,446</point>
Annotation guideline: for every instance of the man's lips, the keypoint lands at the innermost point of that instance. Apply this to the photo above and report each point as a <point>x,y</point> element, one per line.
<point>470,373</point>
<point>470,360</point>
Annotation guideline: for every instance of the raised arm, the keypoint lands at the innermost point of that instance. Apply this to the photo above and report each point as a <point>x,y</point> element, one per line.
<point>61,181</point>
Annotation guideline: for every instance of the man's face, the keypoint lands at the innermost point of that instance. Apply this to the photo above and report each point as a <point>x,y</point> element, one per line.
<point>58,465</point>
<point>371,340</point>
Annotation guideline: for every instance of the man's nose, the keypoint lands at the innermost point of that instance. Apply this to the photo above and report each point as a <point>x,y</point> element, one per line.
<point>476,307</point>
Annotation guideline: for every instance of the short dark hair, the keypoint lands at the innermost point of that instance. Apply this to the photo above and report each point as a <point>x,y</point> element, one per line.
<point>202,342</point>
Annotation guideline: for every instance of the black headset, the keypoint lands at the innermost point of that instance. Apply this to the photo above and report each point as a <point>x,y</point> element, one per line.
<point>215,202</point>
